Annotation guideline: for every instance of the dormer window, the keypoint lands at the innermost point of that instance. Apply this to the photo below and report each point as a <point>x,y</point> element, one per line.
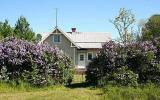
<point>56,39</point>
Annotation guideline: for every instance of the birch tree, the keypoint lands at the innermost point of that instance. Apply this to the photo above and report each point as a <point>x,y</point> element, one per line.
<point>124,23</point>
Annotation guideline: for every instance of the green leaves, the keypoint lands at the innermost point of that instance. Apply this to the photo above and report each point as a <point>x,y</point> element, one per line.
<point>125,77</point>
<point>23,31</point>
<point>124,24</point>
<point>38,37</point>
<point>151,29</point>
<point>5,30</point>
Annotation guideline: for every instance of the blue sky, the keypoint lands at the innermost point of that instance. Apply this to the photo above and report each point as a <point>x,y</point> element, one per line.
<point>85,15</point>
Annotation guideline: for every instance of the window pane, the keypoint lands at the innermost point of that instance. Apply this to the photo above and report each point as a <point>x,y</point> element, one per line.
<point>89,56</point>
<point>81,57</point>
<point>56,38</point>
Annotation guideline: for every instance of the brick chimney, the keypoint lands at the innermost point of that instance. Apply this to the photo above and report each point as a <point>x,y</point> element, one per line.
<point>73,29</point>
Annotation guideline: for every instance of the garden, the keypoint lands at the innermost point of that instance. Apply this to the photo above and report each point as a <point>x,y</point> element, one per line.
<point>125,69</point>
<point>38,71</point>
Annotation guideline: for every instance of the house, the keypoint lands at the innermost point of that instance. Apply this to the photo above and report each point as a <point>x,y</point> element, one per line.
<point>81,47</point>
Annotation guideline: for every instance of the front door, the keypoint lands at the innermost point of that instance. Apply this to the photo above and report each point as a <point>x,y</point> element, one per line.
<point>81,60</point>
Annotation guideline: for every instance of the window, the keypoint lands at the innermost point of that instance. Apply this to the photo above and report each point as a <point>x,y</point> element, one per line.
<point>90,56</point>
<point>56,39</point>
<point>81,57</point>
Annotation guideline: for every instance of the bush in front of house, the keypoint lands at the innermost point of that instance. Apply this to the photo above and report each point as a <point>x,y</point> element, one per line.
<point>93,72</point>
<point>124,77</point>
<point>111,57</point>
<point>141,61</point>
<point>37,64</point>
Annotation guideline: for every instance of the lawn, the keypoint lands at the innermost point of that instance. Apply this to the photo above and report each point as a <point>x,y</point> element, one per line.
<point>54,93</point>
<point>78,91</point>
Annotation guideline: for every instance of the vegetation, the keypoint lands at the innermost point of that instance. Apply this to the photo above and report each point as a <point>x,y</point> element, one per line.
<point>124,24</point>
<point>21,30</point>
<point>128,63</point>
<point>139,64</point>
<point>147,92</point>
<point>151,28</point>
<point>22,59</point>
<point>24,91</point>
<point>37,64</point>
<point>5,30</point>
<point>128,70</point>
<point>38,37</point>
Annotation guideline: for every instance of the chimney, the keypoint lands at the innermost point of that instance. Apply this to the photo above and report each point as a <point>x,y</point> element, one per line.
<point>73,29</point>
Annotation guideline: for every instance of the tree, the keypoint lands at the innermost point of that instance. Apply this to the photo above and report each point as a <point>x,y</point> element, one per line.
<point>23,31</point>
<point>5,29</point>
<point>38,37</point>
<point>124,24</point>
<point>151,29</point>
<point>140,26</point>
<point>1,24</point>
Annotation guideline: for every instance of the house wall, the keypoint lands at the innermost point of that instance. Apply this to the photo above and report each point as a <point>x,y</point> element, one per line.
<point>64,45</point>
<point>72,52</point>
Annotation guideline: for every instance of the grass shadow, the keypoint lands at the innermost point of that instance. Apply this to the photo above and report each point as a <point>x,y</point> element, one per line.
<point>78,85</point>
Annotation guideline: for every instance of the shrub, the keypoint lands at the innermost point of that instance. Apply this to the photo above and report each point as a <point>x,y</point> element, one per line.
<point>109,58</point>
<point>125,77</point>
<point>93,73</point>
<point>140,58</point>
<point>33,63</point>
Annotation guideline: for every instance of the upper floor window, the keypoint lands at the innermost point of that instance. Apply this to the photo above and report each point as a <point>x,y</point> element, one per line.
<point>56,39</point>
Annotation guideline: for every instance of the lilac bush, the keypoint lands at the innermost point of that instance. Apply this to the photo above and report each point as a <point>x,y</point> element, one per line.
<point>38,64</point>
<point>109,58</point>
<point>141,60</point>
<point>124,76</point>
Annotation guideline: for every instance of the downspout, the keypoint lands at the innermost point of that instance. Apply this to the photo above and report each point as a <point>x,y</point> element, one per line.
<point>74,54</point>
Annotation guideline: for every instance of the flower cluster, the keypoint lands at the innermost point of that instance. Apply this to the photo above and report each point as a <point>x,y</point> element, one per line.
<point>140,59</point>
<point>38,64</point>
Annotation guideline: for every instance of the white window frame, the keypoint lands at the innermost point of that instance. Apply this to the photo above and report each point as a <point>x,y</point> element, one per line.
<point>88,54</point>
<point>59,38</point>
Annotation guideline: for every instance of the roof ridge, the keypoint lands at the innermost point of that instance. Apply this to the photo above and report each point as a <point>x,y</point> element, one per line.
<point>88,32</point>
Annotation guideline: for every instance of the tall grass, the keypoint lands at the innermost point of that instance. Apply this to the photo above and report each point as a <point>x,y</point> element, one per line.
<point>12,87</point>
<point>24,87</point>
<point>24,91</point>
<point>147,92</point>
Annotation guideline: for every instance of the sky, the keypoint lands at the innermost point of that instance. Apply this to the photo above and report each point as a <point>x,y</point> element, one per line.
<point>85,15</point>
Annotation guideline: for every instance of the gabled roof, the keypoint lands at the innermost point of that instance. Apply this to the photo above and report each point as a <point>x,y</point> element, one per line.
<point>85,39</point>
<point>44,36</point>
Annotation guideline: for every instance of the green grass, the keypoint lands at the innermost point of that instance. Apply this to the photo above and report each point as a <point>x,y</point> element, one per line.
<point>79,78</point>
<point>149,92</point>
<point>78,91</point>
<point>26,92</point>
<point>52,93</point>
